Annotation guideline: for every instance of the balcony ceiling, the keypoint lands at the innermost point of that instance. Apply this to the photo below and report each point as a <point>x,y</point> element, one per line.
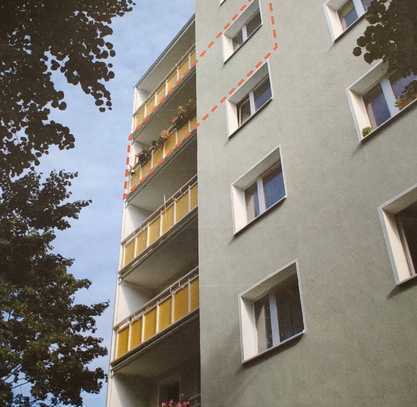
<point>165,352</point>
<point>177,253</point>
<point>161,119</point>
<point>167,179</point>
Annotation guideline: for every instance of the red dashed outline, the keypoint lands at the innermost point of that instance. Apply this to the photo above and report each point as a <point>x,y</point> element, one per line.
<point>232,90</point>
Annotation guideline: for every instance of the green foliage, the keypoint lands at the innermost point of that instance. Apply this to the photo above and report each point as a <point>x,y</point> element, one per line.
<point>391,36</point>
<point>38,37</point>
<point>366,131</point>
<point>46,338</point>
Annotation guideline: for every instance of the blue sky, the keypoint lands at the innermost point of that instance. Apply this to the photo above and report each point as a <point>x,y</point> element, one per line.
<point>100,153</point>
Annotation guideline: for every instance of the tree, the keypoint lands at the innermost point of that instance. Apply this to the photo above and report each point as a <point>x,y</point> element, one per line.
<point>46,339</point>
<point>391,36</point>
<point>38,38</point>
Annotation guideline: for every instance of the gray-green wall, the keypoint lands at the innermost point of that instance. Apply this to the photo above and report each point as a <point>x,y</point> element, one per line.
<point>360,346</point>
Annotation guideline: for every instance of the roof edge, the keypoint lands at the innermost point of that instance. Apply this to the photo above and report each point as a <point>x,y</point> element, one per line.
<point>166,50</point>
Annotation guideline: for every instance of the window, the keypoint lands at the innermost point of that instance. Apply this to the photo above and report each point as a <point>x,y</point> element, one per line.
<point>247,30</point>
<point>342,14</point>
<point>271,313</point>
<point>242,29</point>
<point>265,192</point>
<point>399,218</point>
<point>253,101</point>
<point>257,191</point>
<point>377,97</point>
<point>249,99</point>
<point>348,14</point>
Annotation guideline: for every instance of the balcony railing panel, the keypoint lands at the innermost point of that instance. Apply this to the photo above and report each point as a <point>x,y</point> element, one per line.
<point>161,222</point>
<point>168,85</point>
<point>159,314</point>
<point>175,139</point>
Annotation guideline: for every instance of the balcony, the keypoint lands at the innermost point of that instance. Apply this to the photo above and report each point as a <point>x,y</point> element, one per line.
<point>175,141</point>
<point>166,243</point>
<point>145,341</point>
<point>173,82</point>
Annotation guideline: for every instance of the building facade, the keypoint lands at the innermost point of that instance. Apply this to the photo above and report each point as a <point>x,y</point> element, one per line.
<point>289,279</point>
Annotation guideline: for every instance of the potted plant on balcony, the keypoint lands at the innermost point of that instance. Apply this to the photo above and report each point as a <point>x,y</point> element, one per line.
<point>143,157</point>
<point>184,113</point>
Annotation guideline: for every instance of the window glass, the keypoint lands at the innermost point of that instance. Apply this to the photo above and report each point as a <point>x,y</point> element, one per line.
<point>244,110</point>
<point>253,24</point>
<point>407,220</point>
<point>273,183</point>
<point>376,106</point>
<point>252,202</point>
<point>348,14</point>
<point>399,84</point>
<point>290,317</point>
<point>238,40</point>
<point>263,324</point>
<point>262,94</point>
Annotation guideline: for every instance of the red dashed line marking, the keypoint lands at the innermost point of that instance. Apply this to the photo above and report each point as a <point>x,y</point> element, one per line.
<point>223,99</point>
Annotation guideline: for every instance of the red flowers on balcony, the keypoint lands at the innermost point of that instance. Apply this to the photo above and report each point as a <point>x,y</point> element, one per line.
<point>172,403</point>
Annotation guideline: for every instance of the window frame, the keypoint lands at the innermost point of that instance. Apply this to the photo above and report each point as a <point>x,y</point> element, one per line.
<point>240,26</point>
<point>252,103</point>
<point>357,92</point>
<point>398,252</point>
<point>332,10</point>
<point>247,299</point>
<point>239,187</point>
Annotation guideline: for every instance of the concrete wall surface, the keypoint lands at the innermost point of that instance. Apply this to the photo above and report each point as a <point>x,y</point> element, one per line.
<point>360,345</point>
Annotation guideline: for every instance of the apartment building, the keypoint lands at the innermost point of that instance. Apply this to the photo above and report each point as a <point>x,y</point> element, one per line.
<point>290,277</point>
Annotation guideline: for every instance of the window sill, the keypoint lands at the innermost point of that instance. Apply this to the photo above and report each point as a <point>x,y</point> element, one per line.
<point>241,46</point>
<point>405,281</point>
<point>347,30</point>
<point>232,134</point>
<point>274,348</point>
<point>276,204</point>
<point>388,122</point>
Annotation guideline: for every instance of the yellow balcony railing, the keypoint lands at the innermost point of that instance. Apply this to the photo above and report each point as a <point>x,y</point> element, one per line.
<point>175,139</point>
<point>159,314</point>
<point>168,85</point>
<point>161,221</point>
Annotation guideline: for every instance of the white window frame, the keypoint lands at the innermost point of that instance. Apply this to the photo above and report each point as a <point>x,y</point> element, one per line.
<point>252,104</point>
<point>240,186</point>
<point>398,253</point>
<point>241,93</point>
<point>240,24</point>
<point>331,11</point>
<point>247,299</point>
<point>378,74</point>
